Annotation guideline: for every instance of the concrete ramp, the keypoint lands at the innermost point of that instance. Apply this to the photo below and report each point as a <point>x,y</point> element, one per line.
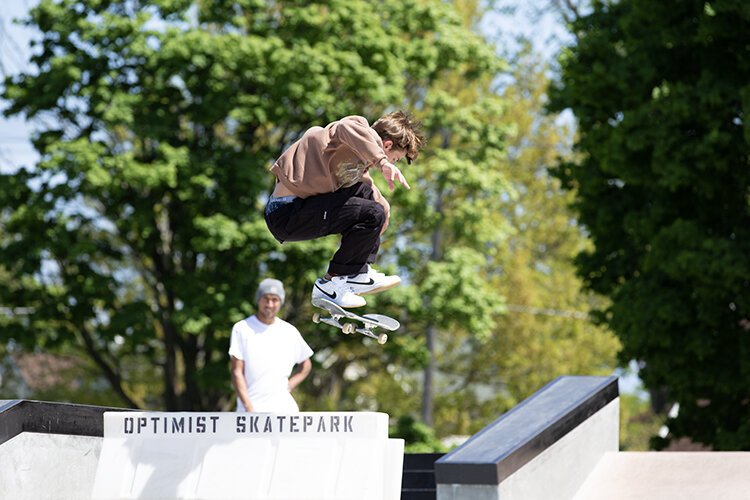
<point>36,466</point>
<point>669,476</point>
<point>48,450</point>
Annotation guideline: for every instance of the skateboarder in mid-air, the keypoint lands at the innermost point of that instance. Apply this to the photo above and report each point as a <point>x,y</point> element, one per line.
<point>323,186</point>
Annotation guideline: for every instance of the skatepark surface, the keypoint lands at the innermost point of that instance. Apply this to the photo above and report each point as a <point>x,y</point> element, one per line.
<point>668,476</point>
<point>561,443</point>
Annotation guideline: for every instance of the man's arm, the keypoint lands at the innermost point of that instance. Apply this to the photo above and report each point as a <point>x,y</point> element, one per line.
<point>355,132</point>
<point>392,174</point>
<point>239,383</point>
<point>301,375</point>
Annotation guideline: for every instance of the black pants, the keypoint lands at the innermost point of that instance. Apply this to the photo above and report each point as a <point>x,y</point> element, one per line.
<point>351,212</point>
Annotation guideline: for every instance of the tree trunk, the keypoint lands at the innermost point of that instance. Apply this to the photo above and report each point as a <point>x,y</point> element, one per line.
<point>431,368</point>
<point>429,373</point>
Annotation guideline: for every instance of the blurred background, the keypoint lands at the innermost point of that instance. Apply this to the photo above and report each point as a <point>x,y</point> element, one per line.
<point>581,206</point>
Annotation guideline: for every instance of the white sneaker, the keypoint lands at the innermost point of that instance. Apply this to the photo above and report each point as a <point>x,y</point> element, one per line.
<point>337,291</point>
<point>371,281</point>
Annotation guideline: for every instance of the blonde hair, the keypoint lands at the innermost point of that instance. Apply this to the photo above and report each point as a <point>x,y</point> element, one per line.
<point>405,133</point>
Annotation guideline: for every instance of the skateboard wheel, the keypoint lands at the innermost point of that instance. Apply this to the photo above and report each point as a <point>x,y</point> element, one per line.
<point>382,338</point>
<point>316,318</point>
<point>348,328</point>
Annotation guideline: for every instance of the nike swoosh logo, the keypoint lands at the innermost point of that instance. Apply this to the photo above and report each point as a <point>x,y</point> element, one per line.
<point>331,296</point>
<point>371,282</point>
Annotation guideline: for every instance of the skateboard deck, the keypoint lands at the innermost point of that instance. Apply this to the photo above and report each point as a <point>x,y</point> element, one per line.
<point>369,321</point>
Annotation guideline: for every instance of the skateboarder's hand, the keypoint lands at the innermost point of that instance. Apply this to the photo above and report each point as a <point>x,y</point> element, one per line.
<point>392,174</point>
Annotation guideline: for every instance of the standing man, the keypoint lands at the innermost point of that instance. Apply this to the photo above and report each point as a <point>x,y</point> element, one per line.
<point>264,349</point>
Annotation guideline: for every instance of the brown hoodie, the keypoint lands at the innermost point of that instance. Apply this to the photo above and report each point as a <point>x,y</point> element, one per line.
<point>326,159</point>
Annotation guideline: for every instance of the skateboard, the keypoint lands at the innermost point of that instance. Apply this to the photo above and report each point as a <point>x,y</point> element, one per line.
<point>370,321</point>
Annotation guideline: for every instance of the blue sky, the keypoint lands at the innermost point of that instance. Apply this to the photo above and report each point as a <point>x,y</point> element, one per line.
<point>15,149</point>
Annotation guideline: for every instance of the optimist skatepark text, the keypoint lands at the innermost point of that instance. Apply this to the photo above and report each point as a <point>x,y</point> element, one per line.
<point>238,424</point>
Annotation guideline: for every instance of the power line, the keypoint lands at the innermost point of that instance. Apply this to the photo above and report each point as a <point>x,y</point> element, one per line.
<point>5,158</point>
<point>15,54</point>
<point>16,311</point>
<point>14,141</point>
<point>543,311</point>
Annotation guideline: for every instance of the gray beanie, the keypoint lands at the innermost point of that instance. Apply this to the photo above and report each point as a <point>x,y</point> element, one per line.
<point>270,286</point>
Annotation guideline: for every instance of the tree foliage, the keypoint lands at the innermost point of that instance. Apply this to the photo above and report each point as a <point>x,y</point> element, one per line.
<point>438,238</point>
<point>547,330</point>
<point>541,329</point>
<point>445,217</point>
<point>660,91</point>
<point>139,235</point>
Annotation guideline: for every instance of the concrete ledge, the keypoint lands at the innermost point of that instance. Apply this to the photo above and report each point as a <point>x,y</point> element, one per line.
<point>523,433</point>
<point>518,436</point>
<point>21,415</point>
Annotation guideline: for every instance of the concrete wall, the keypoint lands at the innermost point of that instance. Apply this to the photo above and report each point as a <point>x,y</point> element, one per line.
<point>37,466</point>
<point>560,470</point>
<point>306,456</point>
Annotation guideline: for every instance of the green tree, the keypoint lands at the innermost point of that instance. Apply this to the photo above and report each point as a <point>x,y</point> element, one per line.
<point>543,329</point>
<point>485,224</point>
<point>444,220</point>
<point>638,423</point>
<point>547,331</point>
<point>660,92</point>
<point>139,234</point>
<point>457,188</point>
<point>444,210</point>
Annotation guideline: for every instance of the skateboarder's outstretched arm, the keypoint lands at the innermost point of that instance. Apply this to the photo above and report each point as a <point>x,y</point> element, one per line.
<point>355,132</point>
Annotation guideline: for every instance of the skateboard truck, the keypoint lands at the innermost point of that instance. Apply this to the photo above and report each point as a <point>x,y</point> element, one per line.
<point>370,321</point>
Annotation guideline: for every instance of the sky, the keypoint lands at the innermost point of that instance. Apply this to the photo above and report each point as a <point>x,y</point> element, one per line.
<point>15,147</point>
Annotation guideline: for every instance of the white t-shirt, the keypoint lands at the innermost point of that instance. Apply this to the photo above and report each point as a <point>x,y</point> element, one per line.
<point>270,352</point>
